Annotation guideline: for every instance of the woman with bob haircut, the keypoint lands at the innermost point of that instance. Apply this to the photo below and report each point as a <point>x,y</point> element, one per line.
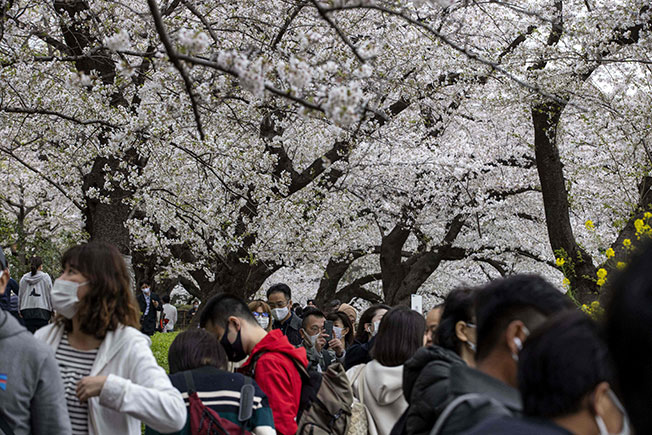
<point>379,384</point>
<point>111,379</point>
<point>198,355</point>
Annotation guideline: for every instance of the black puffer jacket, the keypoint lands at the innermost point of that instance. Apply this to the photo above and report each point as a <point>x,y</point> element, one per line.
<point>426,387</point>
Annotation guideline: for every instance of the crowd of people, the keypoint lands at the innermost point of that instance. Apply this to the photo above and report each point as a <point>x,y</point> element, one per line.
<point>513,356</point>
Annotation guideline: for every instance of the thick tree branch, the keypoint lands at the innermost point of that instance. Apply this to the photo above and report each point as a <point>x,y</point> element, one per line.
<point>174,58</point>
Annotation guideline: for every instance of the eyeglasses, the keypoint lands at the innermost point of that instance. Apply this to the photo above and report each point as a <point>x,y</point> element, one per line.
<point>281,304</point>
<point>257,314</point>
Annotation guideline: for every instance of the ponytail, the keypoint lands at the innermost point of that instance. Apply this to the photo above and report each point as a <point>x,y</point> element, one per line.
<point>36,262</point>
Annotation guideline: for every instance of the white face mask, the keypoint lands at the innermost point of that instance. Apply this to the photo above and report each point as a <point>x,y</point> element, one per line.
<point>280,313</point>
<point>146,290</point>
<point>338,332</point>
<point>312,339</point>
<point>64,297</point>
<point>374,328</point>
<point>263,321</point>
<point>602,427</point>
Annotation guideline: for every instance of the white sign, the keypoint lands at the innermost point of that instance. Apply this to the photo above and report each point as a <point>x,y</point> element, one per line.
<point>417,303</point>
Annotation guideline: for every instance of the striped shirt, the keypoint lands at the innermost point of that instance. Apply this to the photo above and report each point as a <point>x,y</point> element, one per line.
<point>220,391</point>
<point>74,365</point>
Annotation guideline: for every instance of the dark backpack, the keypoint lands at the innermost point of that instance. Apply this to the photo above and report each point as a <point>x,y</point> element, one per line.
<point>325,406</point>
<point>206,421</point>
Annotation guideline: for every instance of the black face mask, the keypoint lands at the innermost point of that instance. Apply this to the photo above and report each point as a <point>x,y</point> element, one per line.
<point>234,352</point>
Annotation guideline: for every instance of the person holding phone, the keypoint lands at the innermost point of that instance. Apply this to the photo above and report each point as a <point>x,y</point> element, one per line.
<point>343,334</point>
<point>315,340</point>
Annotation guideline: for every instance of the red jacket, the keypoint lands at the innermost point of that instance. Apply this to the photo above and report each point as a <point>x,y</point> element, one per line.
<point>278,377</point>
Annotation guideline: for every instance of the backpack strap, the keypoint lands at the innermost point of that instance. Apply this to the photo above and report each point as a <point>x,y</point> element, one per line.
<point>247,393</point>
<point>439,424</point>
<point>190,383</point>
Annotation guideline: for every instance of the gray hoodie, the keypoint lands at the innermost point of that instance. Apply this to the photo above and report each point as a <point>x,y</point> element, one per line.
<point>34,291</point>
<point>31,391</point>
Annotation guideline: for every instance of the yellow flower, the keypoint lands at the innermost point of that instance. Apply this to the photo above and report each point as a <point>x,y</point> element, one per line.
<point>609,253</point>
<point>595,304</point>
<point>565,282</point>
<point>647,215</point>
<point>601,282</point>
<point>602,273</point>
<point>620,265</point>
<point>560,262</point>
<point>639,224</point>
<point>589,225</point>
<point>627,243</point>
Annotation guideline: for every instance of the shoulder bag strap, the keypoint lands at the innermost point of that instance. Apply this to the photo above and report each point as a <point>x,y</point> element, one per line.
<point>439,424</point>
<point>359,376</point>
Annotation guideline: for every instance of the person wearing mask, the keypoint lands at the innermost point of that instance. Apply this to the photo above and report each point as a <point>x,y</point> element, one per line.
<point>358,353</point>
<point>5,299</point>
<point>31,390</point>
<point>262,313</point>
<point>628,322</point>
<point>351,312</point>
<point>379,383</point>
<point>195,308</point>
<point>432,322</point>
<point>111,378</point>
<point>426,374</point>
<point>565,378</point>
<point>170,314</point>
<point>150,304</point>
<point>272,358</point>
<point>198,354</point>
<point>10,301</point>
<point>279,299</point>
<point>34,296</point>
<point>506,311</point>
<point>342,332</point>
<point>315,340</point>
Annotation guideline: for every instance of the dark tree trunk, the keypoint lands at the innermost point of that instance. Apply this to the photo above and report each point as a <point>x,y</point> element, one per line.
<point>581,271</point>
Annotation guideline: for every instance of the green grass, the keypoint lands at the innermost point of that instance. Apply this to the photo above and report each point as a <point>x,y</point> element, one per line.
<point>160,345</point>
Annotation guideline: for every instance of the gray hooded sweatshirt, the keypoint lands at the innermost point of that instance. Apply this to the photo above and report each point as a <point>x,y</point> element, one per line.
<point>31,391</point>
<point>34,292</point>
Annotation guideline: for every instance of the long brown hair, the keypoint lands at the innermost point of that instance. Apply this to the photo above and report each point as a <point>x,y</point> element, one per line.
<point>110,301</point>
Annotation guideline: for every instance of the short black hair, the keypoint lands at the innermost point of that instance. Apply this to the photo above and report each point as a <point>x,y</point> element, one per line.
<point>166,299</point>
<point>219,308</point>
<point>310,312</point>
<point>280,288</point>
<point>361,335</point>
<point>400,335</point>
<point>518,297</point>
<point>145,282</point>
<point>458,307</point>
<point>560,364</point>
<point>195,348</point>
<point>628,322</point>
<point>311,300</point>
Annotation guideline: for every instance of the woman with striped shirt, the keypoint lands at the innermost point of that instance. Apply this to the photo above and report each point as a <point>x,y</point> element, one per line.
<point>199,355</point>
<point>111,379</point>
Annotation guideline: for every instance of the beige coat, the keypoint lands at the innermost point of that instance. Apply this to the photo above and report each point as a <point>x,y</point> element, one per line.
<point>380,388</point>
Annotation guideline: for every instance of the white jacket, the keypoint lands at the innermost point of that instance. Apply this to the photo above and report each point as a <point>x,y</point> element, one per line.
<point>381,389</point>
<point>137,388</point>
